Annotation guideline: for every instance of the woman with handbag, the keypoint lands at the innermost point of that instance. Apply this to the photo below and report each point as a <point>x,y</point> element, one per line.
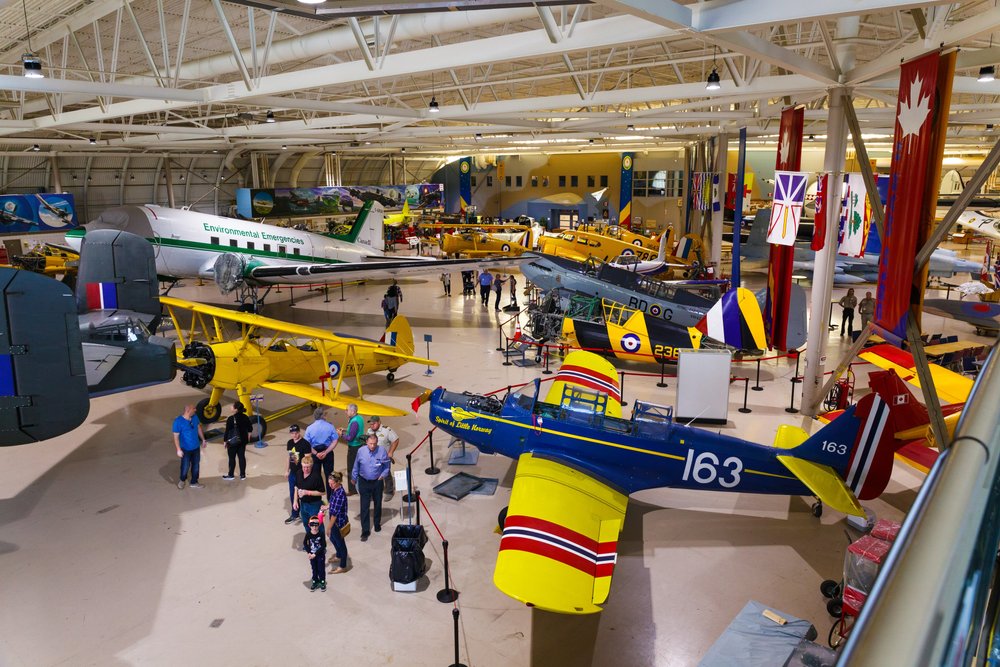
<point>339,525</point>
<point>236,438</point>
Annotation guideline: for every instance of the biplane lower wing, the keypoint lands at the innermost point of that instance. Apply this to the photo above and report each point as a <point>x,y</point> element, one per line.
<point>316,395</point>
<point>950,386</point>
<point>560,538</point>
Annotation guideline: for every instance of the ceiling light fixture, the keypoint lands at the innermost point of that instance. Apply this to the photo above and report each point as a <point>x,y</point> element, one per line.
<point>631,127</point>
<point>433,107</point>
<point>312,2</point>
<point>812,137</point>
<point>93,141</point>
<point>987,74</point>
<point>36,147</point>
<point>270,117</point>
<point>30,61</point>
<point>284,147</point>
<point>713,82</point>
<point>403,149</point>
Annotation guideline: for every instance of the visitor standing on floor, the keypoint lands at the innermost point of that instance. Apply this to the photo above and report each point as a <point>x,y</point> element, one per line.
<point>866,309</point>
<point>513,289</point>
<point>848,302</point>
<point>388,440</point>
<point>314,544</point>
<point>322,437</point>
<point>189,440</point>
<point>446,283</point>
<point>497,290</point>
<point>354,435</point>
<point>237,435</point>
<point>369,473</point>
<point>485,283</point>
<point>297,448</point>
<point>338,520</point>
<point>309,489</point>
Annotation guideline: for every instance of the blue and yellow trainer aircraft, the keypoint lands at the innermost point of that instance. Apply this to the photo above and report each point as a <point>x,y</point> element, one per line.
<point>579,459</point>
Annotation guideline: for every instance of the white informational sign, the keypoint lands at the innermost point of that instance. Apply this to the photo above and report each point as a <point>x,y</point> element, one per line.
<point>399,476</point>
<point>703,386</point>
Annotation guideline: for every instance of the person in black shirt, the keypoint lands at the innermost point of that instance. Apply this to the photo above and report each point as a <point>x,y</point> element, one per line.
<point>297,447</point>
<point>236,438</point>
<point>309,490</point>
<point>314,544</point>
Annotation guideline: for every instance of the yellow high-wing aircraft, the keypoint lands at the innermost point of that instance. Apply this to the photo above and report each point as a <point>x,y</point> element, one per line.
<point>396,219</point>
<point>292,360</point>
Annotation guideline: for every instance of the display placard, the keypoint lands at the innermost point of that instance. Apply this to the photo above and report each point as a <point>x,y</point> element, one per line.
<point>703,386</point>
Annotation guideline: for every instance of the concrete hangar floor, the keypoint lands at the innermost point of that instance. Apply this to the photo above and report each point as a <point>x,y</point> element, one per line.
<point>103,561</point>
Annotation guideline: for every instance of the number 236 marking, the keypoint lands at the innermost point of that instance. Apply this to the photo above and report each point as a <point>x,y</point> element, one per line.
<point>706,469</point>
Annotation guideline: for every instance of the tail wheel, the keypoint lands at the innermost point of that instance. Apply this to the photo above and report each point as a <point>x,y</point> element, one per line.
<point>258,428</point>
<point>817,509</point>
<point>207,413</point>
<point>390,376</point>
<point>502,518</point>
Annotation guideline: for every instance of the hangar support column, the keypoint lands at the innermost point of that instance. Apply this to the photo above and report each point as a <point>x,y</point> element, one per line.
<point>722,156</point>
<point>826,259</point>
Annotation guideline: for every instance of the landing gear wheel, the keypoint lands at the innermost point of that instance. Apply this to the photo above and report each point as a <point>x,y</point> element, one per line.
<point>390,376</point>
<point>207,413</point>
<point>817,509</point>
<point>258,428</point>
<point>830,588</point>
<point>835,607</point>
<point>502,517</point>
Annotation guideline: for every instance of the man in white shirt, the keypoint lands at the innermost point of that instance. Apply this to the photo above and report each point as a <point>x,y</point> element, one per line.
<point>388,439</point>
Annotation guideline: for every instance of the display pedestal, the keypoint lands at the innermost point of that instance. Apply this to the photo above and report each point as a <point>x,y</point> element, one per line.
<point>465,456</point>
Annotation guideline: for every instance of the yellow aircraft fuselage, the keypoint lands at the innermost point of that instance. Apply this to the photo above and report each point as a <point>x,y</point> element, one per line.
<point>581,246</point>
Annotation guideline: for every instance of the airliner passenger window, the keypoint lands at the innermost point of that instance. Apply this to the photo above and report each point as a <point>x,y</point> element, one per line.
<point>233,243</point>
<point>281,250</point>
<point>214,240</point>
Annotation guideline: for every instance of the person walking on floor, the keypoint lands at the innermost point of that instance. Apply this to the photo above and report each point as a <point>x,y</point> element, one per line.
<point>187,436</point>
<point>297,448</point>
<point>338,520</point>
<point>848,302</point>
<point>446,283</point>
<point>354,434</point>
<point>369,473</point>
<point>309,489</point>
<point>237,435</point>
<point>314,544</point>
<point>391,302</point>
<point>322,437</point>
<point>866,309</point>
<point>485,283</point>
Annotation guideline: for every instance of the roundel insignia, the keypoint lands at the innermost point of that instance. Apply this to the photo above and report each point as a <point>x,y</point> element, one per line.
<point>631,342</point>
<point>464,166</point>
<point>628,252</point>
<point>627,162</point>
<point>334,369</point>
<point>655,310</point>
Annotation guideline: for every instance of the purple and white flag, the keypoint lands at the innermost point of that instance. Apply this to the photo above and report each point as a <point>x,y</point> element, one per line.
<point>789,196</point>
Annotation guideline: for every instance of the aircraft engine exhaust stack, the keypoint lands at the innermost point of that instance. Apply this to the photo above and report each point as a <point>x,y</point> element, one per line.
<point>229,271</point>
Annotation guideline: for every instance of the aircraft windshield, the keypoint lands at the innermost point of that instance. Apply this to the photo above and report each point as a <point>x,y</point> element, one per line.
<point>129,331</point>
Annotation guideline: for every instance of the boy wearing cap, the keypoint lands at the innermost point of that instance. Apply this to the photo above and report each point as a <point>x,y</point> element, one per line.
<point>322,437</point>
<point>297,447</point>
<point>314,544</point>
<point>388,440</point>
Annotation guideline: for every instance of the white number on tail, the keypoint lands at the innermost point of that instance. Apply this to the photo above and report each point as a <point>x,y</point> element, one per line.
<point>834,448</point>
<point>705,469</point>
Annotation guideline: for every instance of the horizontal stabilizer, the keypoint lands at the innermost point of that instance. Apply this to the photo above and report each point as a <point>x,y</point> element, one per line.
<point>825,483</point>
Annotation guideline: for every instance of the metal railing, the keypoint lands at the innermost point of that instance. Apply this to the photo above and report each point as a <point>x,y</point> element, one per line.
<point>932,604</point>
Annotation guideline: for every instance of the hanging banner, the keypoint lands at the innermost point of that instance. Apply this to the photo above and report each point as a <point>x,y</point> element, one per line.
<point>731,191</point>
<point>779,268</point>
<point>855,217</point>
<point>716,201</point>
<point>819,222</point>
<point>625,194</point>
<point>914,179</point>
<point>741,160</point>
<point>464,184</point>
<point>786,209</point>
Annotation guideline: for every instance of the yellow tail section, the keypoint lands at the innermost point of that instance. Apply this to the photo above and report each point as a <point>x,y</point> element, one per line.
<point>789,437</point>
<point>825,483</point>
<point>400,326</point>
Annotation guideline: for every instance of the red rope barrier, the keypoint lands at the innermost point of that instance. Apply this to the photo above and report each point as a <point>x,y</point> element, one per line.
<point>431,517</point>
<point>421,443</point>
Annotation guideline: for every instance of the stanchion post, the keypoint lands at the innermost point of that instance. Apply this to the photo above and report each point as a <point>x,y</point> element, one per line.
<point>756,383</point>
<point>663,372</point>
<point>500,339</point>
<point>454,616</point>
<point>342,291</point>
<point>546,353</point>
<point>326,293</point>
<point>791,403</point>
<point>432,470</point>
<point>408,498</point>
<point>746,384</point>
<point>446,594</point>
<point>417,494</point>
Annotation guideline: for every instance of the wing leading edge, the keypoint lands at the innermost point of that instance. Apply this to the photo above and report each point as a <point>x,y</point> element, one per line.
<point>560,538</point>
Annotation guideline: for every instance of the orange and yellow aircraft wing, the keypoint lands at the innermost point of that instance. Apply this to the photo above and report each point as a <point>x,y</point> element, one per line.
<point>560,538</point>
<point>316,395</point>
<point>951,387</point>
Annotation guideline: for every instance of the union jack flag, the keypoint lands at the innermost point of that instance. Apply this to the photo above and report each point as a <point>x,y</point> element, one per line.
<point>789,196</point>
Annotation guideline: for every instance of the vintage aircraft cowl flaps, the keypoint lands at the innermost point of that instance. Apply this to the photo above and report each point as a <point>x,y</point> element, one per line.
<point>578,459</point>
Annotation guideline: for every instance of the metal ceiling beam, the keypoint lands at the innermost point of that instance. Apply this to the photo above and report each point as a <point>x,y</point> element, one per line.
<point>755,47</point>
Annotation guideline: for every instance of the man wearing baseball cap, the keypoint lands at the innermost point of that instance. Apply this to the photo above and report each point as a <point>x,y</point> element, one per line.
<point>388,440</point>
<point>297,447</point>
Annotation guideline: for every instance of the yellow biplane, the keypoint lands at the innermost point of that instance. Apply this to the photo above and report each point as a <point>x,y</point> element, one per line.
<point>481,244</point>
<point>49,259</point>
<point>626,235</point>
<point>284,357</point>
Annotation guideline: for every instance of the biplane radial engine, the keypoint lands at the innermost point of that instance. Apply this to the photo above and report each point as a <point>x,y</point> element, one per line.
<point>578,459</point>
<point>283,357</point>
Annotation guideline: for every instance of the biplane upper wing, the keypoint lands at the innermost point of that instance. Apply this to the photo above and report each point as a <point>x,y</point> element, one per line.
<point>290,328</point>
<point>951,387</point>
<point>316,395</point>
<point>560,538</point>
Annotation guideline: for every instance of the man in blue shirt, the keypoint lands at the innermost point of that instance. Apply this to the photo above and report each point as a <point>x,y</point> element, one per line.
<point>189,440</point>
<point>322,437</point>
<point>485,284</point>
<point>371,468</point>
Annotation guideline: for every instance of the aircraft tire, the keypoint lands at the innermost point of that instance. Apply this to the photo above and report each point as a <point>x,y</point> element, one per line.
<point>390,376</point>
<point>258,428</point>
<point>502,518</point>
<point>207,413</point>
<point>817,509</point>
